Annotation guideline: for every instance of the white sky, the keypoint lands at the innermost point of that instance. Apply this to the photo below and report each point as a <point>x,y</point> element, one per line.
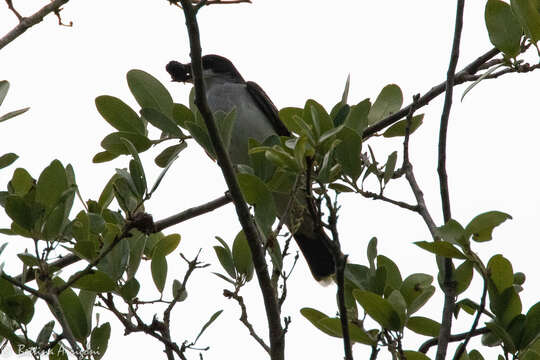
<point>295,50</point>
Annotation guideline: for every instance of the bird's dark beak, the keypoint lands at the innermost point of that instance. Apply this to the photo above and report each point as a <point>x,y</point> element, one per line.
<point>179,72</point>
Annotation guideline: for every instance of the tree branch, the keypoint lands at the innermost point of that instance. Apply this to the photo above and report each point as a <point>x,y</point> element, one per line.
<point>27,22</point>
<point>460,78</point>
<point>276,335</point>
<point>462,347</point>
<point>448,283</point>
<point>159,226</point>
<point>424,348</point>
<point>244,319</point>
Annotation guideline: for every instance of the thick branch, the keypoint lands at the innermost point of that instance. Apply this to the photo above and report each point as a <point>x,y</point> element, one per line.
<point>448,286</point>
<point>277,340</point>
<point>28,22</point>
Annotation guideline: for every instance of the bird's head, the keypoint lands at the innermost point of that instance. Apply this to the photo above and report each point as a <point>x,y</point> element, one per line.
<point>214,66</point>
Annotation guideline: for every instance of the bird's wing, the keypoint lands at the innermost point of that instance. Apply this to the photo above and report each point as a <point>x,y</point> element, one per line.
<point>267,107</point>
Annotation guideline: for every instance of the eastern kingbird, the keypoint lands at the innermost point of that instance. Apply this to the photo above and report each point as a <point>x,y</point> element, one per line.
<point>257,118</point>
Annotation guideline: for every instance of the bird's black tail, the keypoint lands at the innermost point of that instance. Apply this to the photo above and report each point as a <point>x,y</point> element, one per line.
<point>319,258</point>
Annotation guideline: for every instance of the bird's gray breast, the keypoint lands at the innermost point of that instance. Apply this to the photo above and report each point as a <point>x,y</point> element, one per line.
<point>250,122</point>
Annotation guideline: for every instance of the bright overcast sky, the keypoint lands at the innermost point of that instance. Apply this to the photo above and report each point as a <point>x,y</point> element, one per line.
<point>295,50</point>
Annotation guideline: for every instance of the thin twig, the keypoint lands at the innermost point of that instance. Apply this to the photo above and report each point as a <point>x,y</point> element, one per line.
<point>409,173</point>
<point>462,347</point>
<point>244,319</point>
<point>10,6</point>
<point>159,226</point>
<point>24,287</point>
<point>460,78</point>
<point>424,348</point>
<point>27,22</point>
<point>448,283</point>
<point>275,330</point>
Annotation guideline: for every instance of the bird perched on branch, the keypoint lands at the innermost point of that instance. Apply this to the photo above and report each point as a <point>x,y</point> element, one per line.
<point>257,118</point>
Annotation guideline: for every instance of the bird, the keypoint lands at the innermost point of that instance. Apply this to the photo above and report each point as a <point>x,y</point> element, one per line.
<point>256,117</point>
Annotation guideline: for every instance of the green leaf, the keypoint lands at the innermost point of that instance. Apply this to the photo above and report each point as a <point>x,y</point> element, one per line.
<point>414,355</point>
<point>475,355</point>
<point>159,271</point>
<point>225,125</point>
<point>528,16</point>
<point>74,311</point>
<point>162,122</point>
<point>257,193</point>
<point>390,167</point>
<point>166,245</point>
<point>178,291</point>
<point>29,260</point>
<point>241,254</point>
<point>208,323</point>
<point>21,182</point>
<point>87,299</point>
<point>500,272</point>
<point>388,102</point>
<point>170,154</point>
<point>463,275</point>
<point>481,227</point>
<point>119,115</point>
<point>262,167</point>
<point>136,168</point>
<point>45,333</point>
<point>149,92</point>
<point>130,289</point>
<point>113,142</point>
<point>18,307</point>
<point>414,285</point>
<point>346,90</point>
<point>399,128</point>
<point>441,248</point>
<point>453,233</point>
<point>348,152</point>
<point>136,250</point>
<point>99,340</point>
<point>200,135</point>
<point>315,316</point>
<point>17,209</point>
<point>4,88</point>
<point>51,184</point>
<point>420,300</point>
<point>286,115</point>
<point>115,262</point>
<point>501,333</point>
<point>506,306</point>
<point>393,276</point>
<point>14,113</point>
<point>356,333</point>
<point>503,28</point>
<point>379,309</point>
<point>96,281</point>
<point>7,159</point>
<point>224,256</point>
<point>315,114</point>
<point>182,114</point>
<point>531,328</point>
<point>58,353</point>
<point>357,118</point>
<point>398,304</point>
<point>423,326</point>
<point>103,156</point>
